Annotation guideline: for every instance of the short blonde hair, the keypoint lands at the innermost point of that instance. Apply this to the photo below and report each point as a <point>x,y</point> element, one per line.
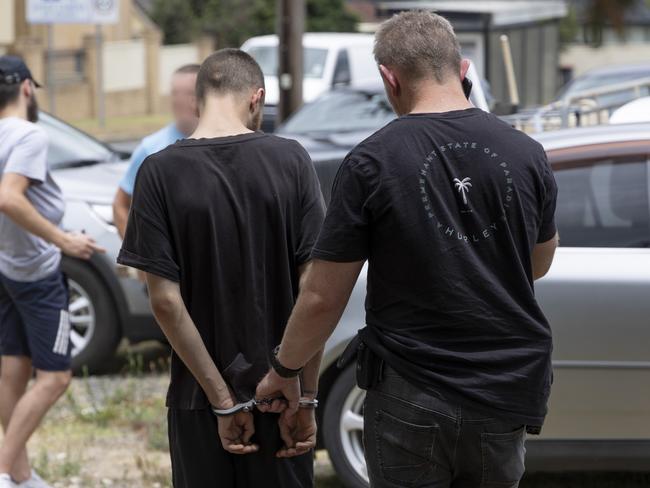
<point>420,44</point>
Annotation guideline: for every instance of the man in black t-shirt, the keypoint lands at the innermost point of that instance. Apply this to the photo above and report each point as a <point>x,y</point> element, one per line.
<point>223,224</point>
<point>454,211</point>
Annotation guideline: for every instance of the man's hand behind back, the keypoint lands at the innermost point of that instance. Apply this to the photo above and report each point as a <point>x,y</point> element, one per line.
<point>235,432</point>
<point>274,386</point>
<point>298,431</point>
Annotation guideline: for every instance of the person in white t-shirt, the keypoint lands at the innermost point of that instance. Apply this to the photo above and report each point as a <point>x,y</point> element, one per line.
<point>34,321</point>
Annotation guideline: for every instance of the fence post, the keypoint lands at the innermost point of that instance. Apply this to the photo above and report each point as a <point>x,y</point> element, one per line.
<point>90,70</point>
<point>152,40</point>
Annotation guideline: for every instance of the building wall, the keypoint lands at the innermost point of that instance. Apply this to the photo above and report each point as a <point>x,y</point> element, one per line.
<point>124,65</point>
<point>133,62</point>
<point>70,36</point>
<point>74,101</point>
<point>7,28</point>
<point>581,58</point>
<point>535,58</point>
<point>172,58</point>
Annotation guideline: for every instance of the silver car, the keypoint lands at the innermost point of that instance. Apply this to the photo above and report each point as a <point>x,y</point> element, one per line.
<point>596,296</point>
<point>597,299</point>
<point>107,303</point>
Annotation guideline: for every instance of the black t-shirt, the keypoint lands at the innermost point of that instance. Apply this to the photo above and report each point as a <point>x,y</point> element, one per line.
<point>447,209</point>
<point>231,219</point>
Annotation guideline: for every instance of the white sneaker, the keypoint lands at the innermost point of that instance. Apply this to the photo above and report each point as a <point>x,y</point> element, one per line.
<point>34,481</point>
<point>6,481</point>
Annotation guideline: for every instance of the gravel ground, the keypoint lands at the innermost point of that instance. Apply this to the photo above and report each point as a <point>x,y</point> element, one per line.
<point>110,431</point>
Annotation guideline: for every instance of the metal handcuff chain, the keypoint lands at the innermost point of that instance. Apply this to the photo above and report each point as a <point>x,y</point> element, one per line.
<point>250,405</point>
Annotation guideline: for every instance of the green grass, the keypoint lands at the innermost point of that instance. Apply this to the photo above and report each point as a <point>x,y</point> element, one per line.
<point>63,466</point>
<point>123,408</point>
<point>109,431</point>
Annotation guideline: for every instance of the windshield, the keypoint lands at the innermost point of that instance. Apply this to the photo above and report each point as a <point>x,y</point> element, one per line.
<point>69,146</point>
<point>342,111</point>
<point>589,82</point>
<point>313,60</point>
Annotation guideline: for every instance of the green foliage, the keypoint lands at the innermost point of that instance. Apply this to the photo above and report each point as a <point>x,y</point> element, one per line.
<point>176,19</point>
<point>329,16</point>
<point>606,13</point>
<point>569,27</point>
<point>231,22</point>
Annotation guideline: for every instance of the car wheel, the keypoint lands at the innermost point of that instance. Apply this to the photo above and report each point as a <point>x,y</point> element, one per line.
<point>343,429</point>
<point>94,329</point>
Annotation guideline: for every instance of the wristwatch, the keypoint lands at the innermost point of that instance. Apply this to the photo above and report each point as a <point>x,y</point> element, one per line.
<point>282,371</point>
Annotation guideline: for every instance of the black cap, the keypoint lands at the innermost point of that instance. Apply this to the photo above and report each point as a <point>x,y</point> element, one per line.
<point>13,70</point>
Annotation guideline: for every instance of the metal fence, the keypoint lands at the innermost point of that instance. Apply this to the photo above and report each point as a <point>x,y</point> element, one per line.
<point>588,107</point>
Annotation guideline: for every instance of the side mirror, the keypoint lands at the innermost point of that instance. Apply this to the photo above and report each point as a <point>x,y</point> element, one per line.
<point>342,78</point>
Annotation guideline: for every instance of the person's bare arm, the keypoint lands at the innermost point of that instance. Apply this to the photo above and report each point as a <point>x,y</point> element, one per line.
<point>311,372</point>
<point>175,321</point>
<point>171,314</point>
<point>121,207</point>
<point>15,204</point>
<point>543,255</point>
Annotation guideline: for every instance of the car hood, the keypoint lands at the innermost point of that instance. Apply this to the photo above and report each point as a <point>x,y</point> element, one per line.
<point>93,184</point>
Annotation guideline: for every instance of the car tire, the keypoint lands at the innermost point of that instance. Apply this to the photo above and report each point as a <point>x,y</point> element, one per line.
<point>343,429</point>
<point>95,331</point>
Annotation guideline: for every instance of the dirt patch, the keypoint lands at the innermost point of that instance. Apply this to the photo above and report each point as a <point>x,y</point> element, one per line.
<point>111,431</point>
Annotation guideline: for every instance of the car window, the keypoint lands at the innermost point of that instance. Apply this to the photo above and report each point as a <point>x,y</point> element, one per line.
<point>69,146</point>
<point>588,82</point>
<point>342,75</point>
<point>604,204</point>
<point>267,57</point>
<point>341,111</point>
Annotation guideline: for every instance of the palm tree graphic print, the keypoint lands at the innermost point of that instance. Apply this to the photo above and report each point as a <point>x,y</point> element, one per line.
<point>463,187</point>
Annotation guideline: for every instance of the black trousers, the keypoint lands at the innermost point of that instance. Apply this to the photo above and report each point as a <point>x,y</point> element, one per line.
<point>414,439</point>
<point>199,460</point>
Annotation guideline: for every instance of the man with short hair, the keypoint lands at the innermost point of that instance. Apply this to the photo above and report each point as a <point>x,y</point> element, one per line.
<point>454,211</point>
<point>223,243</point>
<point>183,104</point>
<point>34,322</point>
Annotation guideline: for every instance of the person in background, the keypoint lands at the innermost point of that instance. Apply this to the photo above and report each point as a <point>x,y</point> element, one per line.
<point>223,244</point>
<point>454,211</point>
<point>34,321</point>
<point>183,102</point>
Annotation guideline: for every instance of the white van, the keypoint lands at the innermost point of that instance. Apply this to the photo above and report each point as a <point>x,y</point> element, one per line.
<point>329,59</point>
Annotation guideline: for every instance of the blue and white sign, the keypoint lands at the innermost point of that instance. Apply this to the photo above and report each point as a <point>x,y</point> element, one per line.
<point>73,11</point>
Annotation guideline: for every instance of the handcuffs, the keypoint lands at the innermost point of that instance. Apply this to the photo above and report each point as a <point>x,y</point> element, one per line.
<point>250,405</point>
